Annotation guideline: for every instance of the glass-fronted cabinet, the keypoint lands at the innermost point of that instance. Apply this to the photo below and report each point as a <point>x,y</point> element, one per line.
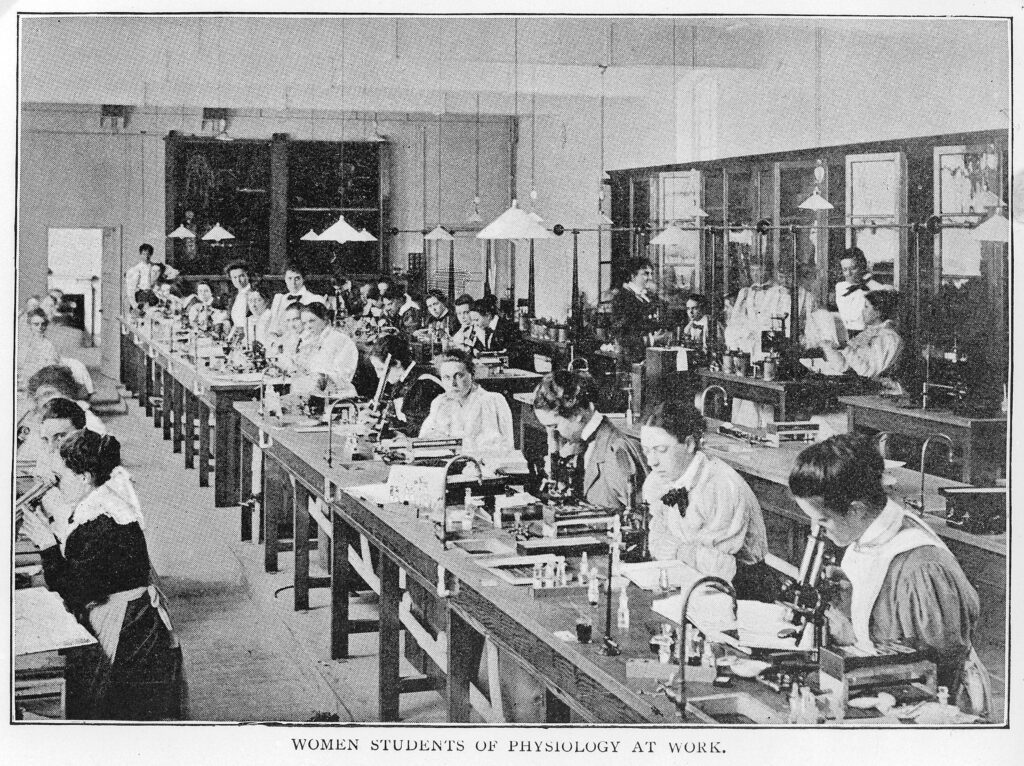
<point>676,201</point>
<point>876,213</point>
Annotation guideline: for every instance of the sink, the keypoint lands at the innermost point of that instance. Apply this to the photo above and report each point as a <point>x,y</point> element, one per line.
<point>734,708</point>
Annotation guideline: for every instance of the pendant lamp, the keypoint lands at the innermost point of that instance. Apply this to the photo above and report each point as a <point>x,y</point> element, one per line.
<point>217,234</point>
<point>182,233</point>
<point>816,202</point>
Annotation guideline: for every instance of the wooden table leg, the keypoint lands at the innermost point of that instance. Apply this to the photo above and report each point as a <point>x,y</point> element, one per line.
<point>126,362</point>
<point>463,663</point>
<point>389,682</point>
<point>339,587</point>
<point>204,443</point>
<point>167,393</point>
<point>300,545</point>
<point>225,478</point>
<point>178,415</point>
<point>273,493</point>
<point>245,487</point>
<point>146,390</point>
<point>189,427</point>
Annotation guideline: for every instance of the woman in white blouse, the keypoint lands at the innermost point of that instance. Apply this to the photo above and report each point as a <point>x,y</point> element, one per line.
<point>482,419</point>
<point>259,318</point>
<point>326,359</point>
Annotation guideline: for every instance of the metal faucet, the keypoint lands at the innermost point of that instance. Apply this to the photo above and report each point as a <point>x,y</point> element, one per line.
<point>704,396</point>
<point>458,460</point>
<point>678,694</point>
<point>918,505</point>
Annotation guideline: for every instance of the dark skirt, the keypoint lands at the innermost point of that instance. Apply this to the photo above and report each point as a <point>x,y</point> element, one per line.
<point>146,680</point>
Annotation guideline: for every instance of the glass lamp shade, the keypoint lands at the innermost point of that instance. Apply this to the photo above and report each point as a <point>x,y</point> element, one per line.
<point>339,231</point>
<point>310,236</point>
<point>514,223</point>
<point>995,229</point>
<point>218,234</point>
<point>671,236</point>
<point>366,236</point>
<point>182,233</point>
<point>816,202</point>
<point>439,234</point>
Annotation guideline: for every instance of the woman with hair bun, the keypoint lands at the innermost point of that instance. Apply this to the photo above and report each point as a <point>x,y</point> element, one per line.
<point>101,569</point>
<point>609,468</point>
<point>409,387</point>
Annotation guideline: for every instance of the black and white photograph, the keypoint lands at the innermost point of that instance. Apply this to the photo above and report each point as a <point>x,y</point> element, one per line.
<point>509,382</point>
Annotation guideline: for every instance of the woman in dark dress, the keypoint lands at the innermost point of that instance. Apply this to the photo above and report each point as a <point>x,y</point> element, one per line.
<point>409,388</point>
<point>101,569</point>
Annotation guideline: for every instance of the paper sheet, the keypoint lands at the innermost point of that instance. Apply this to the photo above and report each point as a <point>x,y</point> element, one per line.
<point>711,612</point>
<point>42,624</point>
<point>371,493</point>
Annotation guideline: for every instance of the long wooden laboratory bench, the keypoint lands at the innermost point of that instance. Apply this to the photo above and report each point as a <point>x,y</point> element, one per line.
<point>982,557</point>
<point>181,397</point>
<point>473,612</point>
<point>979,443</point>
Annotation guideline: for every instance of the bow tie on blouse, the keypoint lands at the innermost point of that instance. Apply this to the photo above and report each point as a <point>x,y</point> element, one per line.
<point>677,498</point>
<point>293,297</point>
<point>854,288</point>
<point>764,286</point>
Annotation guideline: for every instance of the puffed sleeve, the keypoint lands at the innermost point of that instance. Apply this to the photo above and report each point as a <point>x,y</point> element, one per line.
<point>430,425</point>
<point>493,429</point>
<point>629,474</point>
<point>934,604</point>
<point>874,358</point>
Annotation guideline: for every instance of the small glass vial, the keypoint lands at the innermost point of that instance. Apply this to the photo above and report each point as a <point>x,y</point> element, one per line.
<point>942,694</point>
<point>663,584</point>
<point>548,576</point>
<point>622,619</point>
<point>594,588</point>
<point>537,574</point>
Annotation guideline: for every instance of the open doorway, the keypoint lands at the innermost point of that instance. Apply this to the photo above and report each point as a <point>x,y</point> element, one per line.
<point>75,263</point>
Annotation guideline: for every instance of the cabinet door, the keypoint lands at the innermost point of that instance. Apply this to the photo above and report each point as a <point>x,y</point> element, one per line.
<point>807,241</point>
<point>970,301</point>
<point>675,198</point>
<point>876,213</point>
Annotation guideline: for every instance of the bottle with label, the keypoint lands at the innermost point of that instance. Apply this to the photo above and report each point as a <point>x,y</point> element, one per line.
<point>622,620</point>
<point>584,568</point>
<point>594,588</point>
<point>629,407</point>
<point>794,703</point>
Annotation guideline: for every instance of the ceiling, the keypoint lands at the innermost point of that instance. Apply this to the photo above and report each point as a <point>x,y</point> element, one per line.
<point>422,64</point>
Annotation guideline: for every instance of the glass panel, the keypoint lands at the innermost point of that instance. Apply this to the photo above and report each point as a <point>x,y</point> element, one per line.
<point>961,254</point>
<point>964,179</point>
<point>741,241</point>
<point>764,247</point>
<point>677,264</point>
<point>796,184</point>
<point>881,247</point>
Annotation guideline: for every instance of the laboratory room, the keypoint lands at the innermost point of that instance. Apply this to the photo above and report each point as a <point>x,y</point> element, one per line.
<point>514,370</point>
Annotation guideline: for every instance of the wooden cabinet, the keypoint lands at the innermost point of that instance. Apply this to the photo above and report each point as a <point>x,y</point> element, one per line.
<point>879,191</point>
<point>268,194</point>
